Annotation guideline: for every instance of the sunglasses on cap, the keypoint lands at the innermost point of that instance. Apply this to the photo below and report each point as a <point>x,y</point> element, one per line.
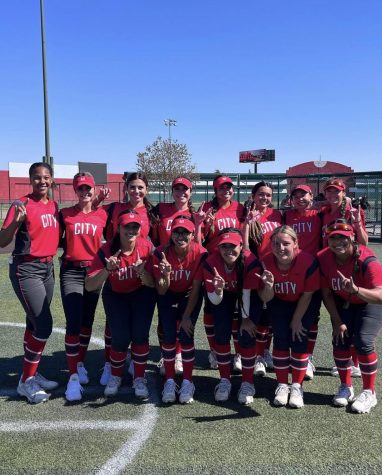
<point>335,183</point>
<point>340,228</point>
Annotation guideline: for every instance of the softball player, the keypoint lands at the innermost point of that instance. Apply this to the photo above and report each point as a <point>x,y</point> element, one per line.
<point>224,275</point>
<point>352,293</point>
<point>33,220</point>
<point>289,281</point>
<point>261,220</point>
<point>307,224</point>
<point>136,191</point>
<point>129,298</point>
<point>178,276</point>
<point>220,213</point>
<point>83,227</point>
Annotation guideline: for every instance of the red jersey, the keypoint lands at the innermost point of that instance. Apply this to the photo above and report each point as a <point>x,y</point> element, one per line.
<point>369,275</point>
<point>269,221</point>
<point>125,279</point>
<point>167,213</point>
<point>114,209</point>
<point>184,271</point>
<point>231,217</point>
<point>83,233</point>
<point>38,235</point>
<point>307,226</point>
<point>303,276</point>
<point>251,267</point>
<point>329,218</point>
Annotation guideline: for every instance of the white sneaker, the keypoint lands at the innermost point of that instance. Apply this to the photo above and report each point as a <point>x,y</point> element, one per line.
<point>246,393</point>
<point>344,395</point>
<point>74,389</point>
<point>45,383</point>
<point>160,365</point>
<point>112,385</point>
<point>334,371</point>
<point>268,359</point>
<point>356,372</point>
<point>223,390</point>
<point>178,364</point>
<point>106,373</point>
<point>260,366</point>
<point>140,388</point>
<point>212,360</point>
<point>281,395</point>
<point>364,402</point>
<point>310,370</point>
<point>169,391</point>
<point>82,373</point>
<point>296,398</point>
<point>32,391</point>
<point>186,392</point>
<point>237,366</point>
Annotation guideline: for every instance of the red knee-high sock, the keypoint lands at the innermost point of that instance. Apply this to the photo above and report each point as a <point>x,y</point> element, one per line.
<point>299,363</point>
<point>85,335</point>
<point>342,359</point>
<point>107,337</point>
<point>312,338</point>
<point>269,338</point>
<point>354,355</point>
<point>281,363</point>
<point>248,363</point>
<point>140,354</point>
<point>72,349</point>
<point>223,356</point>
<point>209,328</point>
<point>368,365</point>
<point>188,358</point>
<point>261,339</point>
<point>32,356</point>
<point>168,352</point>
<point>27,335</point>
<point>178,345</point>
<point>234,332</point>
<point>117,360</point>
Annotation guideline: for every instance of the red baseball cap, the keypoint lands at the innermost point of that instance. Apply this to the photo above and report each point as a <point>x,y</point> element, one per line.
<point>183,223</point>
<point>230,238</point>
<point>335,183</point>
<point>83,180</point>
<point>343,229</point>
<point>305,188</point>
<point>182,181</point>
<point>128,218</point>
<point>221,180</point>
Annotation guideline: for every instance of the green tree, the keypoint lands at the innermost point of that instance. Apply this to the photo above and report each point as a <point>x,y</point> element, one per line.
<point>164,160</point>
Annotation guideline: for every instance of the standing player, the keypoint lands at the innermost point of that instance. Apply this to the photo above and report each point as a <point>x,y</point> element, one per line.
<point>33,220</point>
<point>178,277</point>
<point>220,213</point>
<point>136,189</point>
<point>352,293</point>
<point>224,276</point>
<point>307,224</point>
<point>261,220</point>
<point>83,227</point>
<point>290,280</point>
<point>129,299</point>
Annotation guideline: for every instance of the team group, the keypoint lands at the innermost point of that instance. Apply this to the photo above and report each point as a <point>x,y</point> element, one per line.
<point>261,275</point>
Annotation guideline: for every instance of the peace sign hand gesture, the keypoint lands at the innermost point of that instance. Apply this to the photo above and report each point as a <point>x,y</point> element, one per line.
<point>267,278</point>
<point>199,216</point>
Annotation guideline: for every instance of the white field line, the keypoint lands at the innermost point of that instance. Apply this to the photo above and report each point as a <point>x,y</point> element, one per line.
<point>142,428</point>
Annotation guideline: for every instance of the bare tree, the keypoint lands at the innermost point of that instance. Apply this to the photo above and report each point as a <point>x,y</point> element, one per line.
<point>164,160</point>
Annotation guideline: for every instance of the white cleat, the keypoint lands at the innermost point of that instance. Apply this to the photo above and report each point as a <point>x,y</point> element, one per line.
<point>296,398</point>
<point>281,395</point>
<point>310,370</point>
<point>364,402</point>
<point>237,366</point>
<point>186,392</point>
<point>343,396</point>
<point>260,366</point>
<point>169,391</point>
<point>140,388</point>
<point>178,364</point>
<point>112,386</point>
<point>32,391</point>
<point>82,373</point>
<point>223,390</point>
<point>74,389</point>
<point>246,393</point>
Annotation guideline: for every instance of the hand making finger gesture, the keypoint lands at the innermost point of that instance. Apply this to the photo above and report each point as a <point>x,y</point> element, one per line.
<point>348,284</point>
<point>164,266</point>
<point>139,265</point>
<point>112,263</point>
<point>200,215</point>
<point>218,282</point>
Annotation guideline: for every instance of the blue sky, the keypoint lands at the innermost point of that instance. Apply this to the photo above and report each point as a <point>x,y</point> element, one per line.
<point>301,76</point>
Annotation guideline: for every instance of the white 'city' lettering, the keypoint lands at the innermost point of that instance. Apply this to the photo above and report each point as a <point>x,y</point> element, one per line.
<point>48,221</point>
<point>269,226</point>
<point>285,288</point>
<point>226,223</point>
<point>302,227</point>
<point>85,228</point>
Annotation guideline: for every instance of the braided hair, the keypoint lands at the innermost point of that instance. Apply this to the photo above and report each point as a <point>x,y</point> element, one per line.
<point>255,235</point>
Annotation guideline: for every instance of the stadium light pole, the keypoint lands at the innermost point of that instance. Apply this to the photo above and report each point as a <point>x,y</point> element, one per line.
<point>47,158</point>
<point>169,123</point>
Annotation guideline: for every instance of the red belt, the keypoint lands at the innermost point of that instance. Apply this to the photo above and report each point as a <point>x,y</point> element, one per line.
<point>28,258</point>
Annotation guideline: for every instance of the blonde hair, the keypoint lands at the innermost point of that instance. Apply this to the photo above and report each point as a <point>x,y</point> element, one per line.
<point>285,229</point>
